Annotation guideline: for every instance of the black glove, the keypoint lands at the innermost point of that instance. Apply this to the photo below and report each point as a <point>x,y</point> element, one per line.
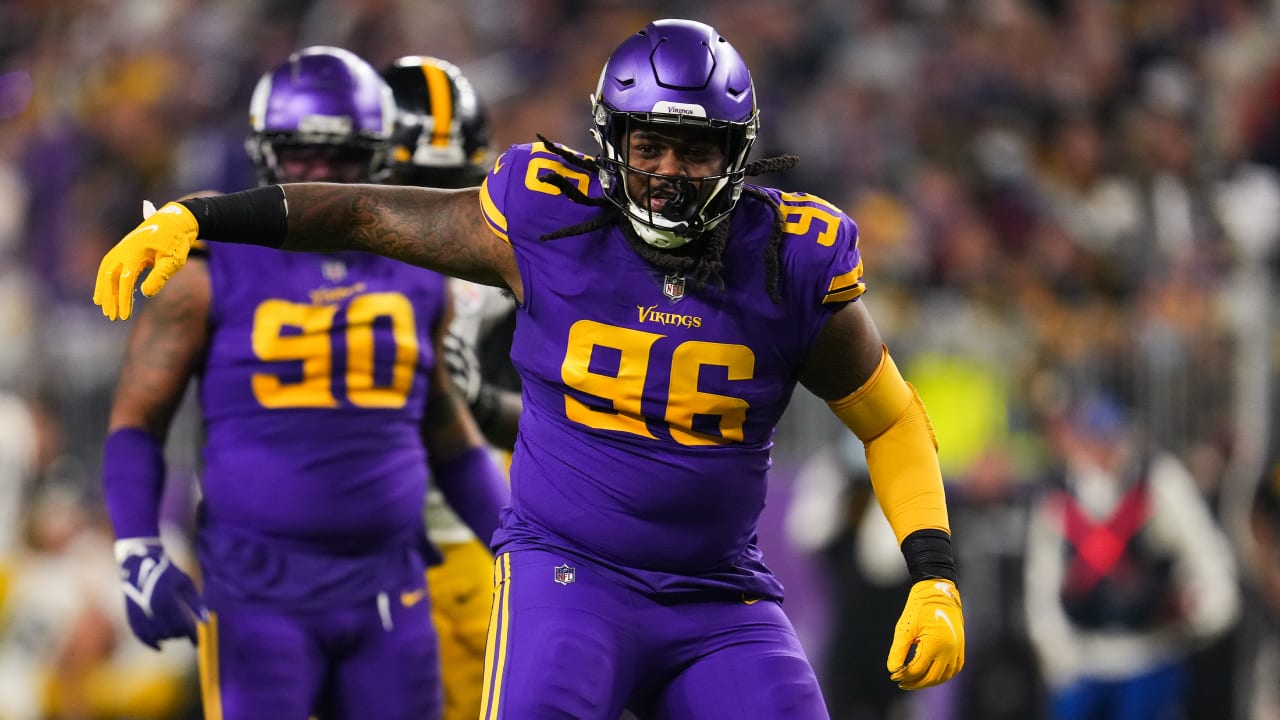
<point>464,368</point>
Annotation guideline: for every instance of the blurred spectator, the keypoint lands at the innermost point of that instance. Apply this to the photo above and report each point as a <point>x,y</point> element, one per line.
<point>19,456</point>
<point>1263,668</point>
<point>61,654</point>
<point>966,382</point>
<point>1126,572</point>
<point>834,515</point>
<point>1089,198</point>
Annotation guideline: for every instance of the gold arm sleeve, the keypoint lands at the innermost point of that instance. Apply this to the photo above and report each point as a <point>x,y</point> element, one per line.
<point>888,416</point>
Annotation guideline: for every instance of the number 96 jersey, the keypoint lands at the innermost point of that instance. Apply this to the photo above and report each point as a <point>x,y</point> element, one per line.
<point>651,401</point>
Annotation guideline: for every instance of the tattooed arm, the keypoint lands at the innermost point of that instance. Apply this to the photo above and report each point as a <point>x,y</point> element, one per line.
<point>161,601</point>
<point>443,230</point>
<point>164,350</point>
<point>439,229</point>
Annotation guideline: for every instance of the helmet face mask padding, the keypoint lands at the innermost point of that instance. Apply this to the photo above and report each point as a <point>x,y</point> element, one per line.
<point>678,74</point>
<point>321,97</point>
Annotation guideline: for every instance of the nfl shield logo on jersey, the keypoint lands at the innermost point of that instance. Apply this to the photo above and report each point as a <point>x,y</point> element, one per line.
<point>333,270</point>
<point>565,574</point>
<point>673,287</point>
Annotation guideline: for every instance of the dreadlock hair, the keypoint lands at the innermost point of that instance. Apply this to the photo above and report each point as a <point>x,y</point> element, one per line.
<point>702,260</point>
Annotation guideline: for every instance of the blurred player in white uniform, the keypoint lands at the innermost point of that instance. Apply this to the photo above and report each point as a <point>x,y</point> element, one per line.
<point>441,139</point>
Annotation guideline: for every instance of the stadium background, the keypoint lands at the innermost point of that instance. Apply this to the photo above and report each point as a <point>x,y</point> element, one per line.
<point>1055,197</point>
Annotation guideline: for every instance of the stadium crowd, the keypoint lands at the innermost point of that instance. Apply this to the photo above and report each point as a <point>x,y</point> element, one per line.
<point>1059,201</point>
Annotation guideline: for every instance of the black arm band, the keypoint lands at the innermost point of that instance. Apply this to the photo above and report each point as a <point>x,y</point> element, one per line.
<point>249,217</point>
<point>928,555</point>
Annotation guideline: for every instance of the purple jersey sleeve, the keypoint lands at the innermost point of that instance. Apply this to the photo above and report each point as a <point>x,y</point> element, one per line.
<point>649,401</point>
<point>312,395</point>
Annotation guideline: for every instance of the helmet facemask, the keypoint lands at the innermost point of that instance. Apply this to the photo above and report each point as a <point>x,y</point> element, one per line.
<point>690,205</point>
<point>324,103</point>
<point>349,160</point>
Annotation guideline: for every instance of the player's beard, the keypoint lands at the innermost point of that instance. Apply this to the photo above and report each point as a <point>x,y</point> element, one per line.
<point>700,260</point>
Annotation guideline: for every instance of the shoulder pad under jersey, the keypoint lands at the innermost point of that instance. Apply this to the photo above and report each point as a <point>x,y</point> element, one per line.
<point>515,196</point>
<point>820,248</point>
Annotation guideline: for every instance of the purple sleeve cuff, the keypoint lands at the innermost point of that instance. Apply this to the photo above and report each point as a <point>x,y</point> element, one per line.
<point>133,482</point>
<point>476,489</point>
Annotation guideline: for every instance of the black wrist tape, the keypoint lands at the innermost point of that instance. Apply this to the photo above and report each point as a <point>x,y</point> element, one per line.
<point>249,217</point>
<point>928,555</point>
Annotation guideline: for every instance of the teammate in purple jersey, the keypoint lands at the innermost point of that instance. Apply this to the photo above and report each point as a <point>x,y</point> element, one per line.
<point>324,405</point>
<point>667,311</point>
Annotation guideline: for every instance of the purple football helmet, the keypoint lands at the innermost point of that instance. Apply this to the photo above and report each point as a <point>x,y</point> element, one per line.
<point>325,101</point>
<point>675,72</point>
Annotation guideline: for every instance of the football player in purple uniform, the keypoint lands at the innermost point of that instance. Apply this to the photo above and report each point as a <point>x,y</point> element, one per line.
<point>324,404</point>
<point>667,311</point>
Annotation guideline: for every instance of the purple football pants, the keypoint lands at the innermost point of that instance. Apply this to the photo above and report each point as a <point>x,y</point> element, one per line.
<point>568,639</point>
<point>373,660</point>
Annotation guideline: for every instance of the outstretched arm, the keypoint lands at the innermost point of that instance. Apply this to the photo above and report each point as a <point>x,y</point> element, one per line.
<point>443,230</point>
<point>439,229</point>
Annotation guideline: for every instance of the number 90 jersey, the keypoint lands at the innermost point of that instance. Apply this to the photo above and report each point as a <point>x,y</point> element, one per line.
<point>650,402</point>
<point>313,392</point>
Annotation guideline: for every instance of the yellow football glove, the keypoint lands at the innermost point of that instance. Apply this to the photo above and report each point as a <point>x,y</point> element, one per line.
<point>161,243</point>
<point>928,643</point>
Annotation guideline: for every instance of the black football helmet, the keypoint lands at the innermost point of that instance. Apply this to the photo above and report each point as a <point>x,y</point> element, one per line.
<point>441,136</point>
